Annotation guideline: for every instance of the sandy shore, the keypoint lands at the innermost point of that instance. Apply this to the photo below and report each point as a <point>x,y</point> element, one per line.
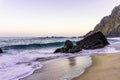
<point>61,69</point>
<point>104,67</point>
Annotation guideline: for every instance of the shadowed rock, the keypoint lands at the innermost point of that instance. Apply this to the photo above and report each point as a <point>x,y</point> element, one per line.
<point>68,48</point>
<point>94,41</point>
<point>1,50</point>
<point>60,50</point>
<point>75,49</point>
<point>68,45</point>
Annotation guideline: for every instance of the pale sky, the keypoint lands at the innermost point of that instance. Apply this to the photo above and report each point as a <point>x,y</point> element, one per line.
<point>52,17</point>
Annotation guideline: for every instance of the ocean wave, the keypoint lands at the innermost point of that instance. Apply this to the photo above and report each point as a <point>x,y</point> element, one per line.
<point>34,46</point>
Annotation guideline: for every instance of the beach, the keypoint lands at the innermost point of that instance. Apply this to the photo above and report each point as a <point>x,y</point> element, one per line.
<point>33,59</point>
<point>61,69</point>
<point>104,67</point>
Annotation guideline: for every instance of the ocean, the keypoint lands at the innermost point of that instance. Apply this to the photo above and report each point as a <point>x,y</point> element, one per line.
<point>22,56</point>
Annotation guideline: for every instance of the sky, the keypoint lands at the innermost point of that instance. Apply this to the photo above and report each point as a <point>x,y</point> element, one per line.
<point>20,18</point>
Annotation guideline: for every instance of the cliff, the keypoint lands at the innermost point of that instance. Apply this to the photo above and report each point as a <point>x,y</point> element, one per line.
<point>109,25</point>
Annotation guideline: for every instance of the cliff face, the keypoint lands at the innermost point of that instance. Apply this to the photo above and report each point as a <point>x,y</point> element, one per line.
<point>109,25</point>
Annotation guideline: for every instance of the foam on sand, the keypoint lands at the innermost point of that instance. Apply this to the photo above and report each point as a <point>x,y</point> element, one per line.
<point>19,65</point>
<point>14,67</point>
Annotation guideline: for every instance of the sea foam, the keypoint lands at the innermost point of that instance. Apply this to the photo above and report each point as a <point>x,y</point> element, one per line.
<point>19,65</point>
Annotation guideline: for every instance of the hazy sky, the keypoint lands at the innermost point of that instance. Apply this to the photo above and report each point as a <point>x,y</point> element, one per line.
<point>52,17</point>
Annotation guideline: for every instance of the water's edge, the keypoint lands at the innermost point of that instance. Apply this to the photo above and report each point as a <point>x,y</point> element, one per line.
<point>67,69</point>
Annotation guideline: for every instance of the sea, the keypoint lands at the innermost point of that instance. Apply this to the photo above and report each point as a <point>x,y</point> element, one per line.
<point>21,54</point>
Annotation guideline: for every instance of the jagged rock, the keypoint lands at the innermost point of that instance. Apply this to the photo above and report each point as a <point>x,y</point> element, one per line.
<point>1,50</point>
<point>109,25</point>
<point>94,41</point>
<point>68,45</point>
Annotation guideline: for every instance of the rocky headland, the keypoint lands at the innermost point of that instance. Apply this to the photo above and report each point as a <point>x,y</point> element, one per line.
<point>109,25</point>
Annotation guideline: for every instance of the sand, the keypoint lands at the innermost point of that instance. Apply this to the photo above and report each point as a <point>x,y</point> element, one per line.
<point>58,68</point>
<point>104,67</point>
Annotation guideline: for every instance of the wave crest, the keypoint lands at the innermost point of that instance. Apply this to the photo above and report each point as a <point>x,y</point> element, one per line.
<point>34,46</point>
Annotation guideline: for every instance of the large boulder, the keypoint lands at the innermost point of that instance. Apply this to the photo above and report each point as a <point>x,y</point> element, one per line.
<point>1,50</point>
<point>94,41</point>
<point>75,49</point>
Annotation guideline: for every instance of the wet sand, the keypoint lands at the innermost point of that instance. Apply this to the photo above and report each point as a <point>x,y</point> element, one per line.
<point>104,67</point>
<point>58,68</point>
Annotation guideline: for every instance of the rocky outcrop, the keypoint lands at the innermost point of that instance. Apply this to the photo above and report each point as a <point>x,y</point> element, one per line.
<point>68,45</point>
<point>1,50</point>
<point>109,25</point>
<point>68,48</point>
<point>94,41</point>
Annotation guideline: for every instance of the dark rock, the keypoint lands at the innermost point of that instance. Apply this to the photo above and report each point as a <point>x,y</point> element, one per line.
<point>68,45</point>
<point>94,41</point>
<point>68,48</point>
<point>75,49</point>
<point>1,50</point>
<point>60,50</point>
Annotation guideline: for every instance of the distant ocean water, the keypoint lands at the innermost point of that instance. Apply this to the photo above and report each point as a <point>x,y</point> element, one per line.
<point>19,59</point>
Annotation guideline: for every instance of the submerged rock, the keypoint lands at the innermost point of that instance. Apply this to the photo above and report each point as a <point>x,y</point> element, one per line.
<point>94,41</point>
<point>1,50</point>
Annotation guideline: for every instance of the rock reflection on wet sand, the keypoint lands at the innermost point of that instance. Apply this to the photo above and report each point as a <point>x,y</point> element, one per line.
<point>60,67</point>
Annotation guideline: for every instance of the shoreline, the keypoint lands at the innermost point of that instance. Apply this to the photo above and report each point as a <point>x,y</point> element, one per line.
<point>55,69</point>
<point>61,69</point>
<point>104,67</point>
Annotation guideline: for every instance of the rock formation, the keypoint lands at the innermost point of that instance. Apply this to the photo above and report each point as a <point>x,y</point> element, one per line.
<point>94,41</point>
<point>68,48</point>
<point>109,25</point>
<point>1,50</point>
